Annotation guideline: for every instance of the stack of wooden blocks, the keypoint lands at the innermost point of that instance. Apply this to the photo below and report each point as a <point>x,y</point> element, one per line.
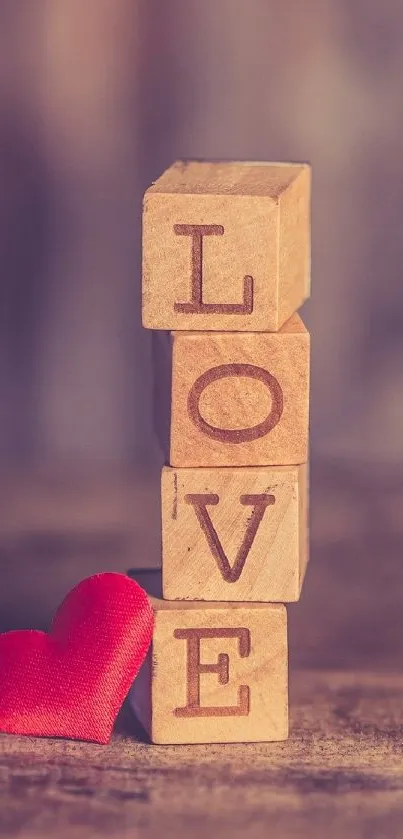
<point>226,265</point>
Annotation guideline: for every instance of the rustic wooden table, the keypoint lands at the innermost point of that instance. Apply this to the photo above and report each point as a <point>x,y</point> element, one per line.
<point>341,772</point>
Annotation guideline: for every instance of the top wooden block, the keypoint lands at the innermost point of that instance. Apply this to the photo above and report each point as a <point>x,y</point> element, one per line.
<point>226,246</point>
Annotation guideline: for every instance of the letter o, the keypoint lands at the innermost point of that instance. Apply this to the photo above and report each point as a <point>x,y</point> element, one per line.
<point>241,435</point>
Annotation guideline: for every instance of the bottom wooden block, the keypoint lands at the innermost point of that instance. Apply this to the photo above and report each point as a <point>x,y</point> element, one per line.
<point>216,673</point>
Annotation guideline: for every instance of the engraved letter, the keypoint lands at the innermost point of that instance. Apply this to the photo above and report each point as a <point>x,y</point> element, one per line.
<point>241,435</point>
<point>196,305</point>
<point>221,668</point>
<point>259,504</point>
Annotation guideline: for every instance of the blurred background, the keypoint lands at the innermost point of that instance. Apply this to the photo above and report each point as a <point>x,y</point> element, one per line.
<point>96,99</point>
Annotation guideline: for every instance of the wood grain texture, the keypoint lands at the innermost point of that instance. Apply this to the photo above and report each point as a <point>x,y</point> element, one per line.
<point>340,772</point>
<point>226,246</point>
<point>216,673</point>
<point>240,399</point>
<point>234,534</point>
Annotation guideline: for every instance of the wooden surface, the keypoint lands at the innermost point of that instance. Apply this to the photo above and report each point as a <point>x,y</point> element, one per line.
<point>216,673</point>
<point>240,399</point>
<point>234,534</point>
<point>226,246</point>
<point>340,774</point>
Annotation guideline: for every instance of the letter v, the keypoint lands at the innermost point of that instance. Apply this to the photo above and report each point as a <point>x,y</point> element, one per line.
<point>259,504</point>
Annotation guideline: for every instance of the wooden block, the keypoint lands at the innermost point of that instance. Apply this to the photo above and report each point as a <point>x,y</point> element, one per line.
<point>239,399</point>
<point>226,246</point>
<point>234,534</point>
<point>216,673</point>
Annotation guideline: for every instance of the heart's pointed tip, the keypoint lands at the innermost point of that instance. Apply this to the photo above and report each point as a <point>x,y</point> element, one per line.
<point>104,630</point>
<point>100,736</point>
<point>104,741</point>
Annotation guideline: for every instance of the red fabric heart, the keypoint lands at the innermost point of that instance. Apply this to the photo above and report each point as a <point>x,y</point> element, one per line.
<point>73,681</point>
